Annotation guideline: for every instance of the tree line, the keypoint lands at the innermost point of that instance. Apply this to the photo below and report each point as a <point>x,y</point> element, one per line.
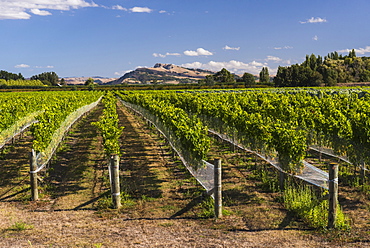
<point>47,78</point>
<point>226,77</point>
<point>314,71</point>
<point>327,71</point>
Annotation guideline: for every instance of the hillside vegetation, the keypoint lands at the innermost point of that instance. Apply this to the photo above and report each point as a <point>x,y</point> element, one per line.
<point>162,73</point>
<point>332,70</point>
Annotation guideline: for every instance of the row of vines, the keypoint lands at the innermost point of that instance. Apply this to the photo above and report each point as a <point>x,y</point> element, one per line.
<point>283,124</point>
<point>49,114</point>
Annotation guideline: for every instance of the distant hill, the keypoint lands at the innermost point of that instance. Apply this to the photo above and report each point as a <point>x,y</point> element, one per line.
<point>162,73</point>
<point>82,80</point>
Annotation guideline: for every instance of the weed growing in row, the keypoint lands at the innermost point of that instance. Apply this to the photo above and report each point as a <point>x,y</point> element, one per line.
<point>304,202</point>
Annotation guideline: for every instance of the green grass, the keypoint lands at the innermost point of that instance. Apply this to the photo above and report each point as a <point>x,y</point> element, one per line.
<point>166,224</point>
<point>207,208</point>
<point>301,200</point>
<point>20,226</point>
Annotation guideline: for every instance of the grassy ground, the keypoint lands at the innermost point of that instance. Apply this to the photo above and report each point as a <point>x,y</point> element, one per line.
<point>163,206</point>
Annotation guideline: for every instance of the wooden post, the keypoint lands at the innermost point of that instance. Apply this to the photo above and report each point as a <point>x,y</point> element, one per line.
<point>333,194</point>
<point>115,187</point>
<point>33,176</point>
<point>217,187</point>
<point>281,180</point>
<point>363,174</point>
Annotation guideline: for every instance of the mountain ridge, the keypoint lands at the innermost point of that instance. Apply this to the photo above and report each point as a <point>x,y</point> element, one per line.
<point>162,73</point>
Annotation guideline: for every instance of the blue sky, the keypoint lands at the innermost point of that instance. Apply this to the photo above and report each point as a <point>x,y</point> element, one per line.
<point>110,37</point>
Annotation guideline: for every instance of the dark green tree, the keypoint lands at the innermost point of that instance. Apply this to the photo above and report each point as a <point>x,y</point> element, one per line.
<point>365,76</point>
<point>281,77</point>
<point>330,75</point>
<point>352,54</point>
<point>10,76</point>
<point>248,79</point>
<point>89,81</point>
<point>209,80</point>
<point>47,78</point>
<point>313,62</point>
<point>224,76</point>
<point>264,75</point>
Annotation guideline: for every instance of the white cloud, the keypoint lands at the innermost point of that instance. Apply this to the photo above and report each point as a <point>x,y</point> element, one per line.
<point>314,20</point>
<point>232,65</point>
<point>277,60</point>
<point>22,66</point>
<point>159,55</point>
<point>162,11</point>
<point>119,7</point>
<point>165,55</point>
<point>315,37</point>
<point>173,54</point>
<point>193,65</point>
<point>13,13</point>
<point>363,50</point>
<point>47,67</point>
<point>198,52</point>
<point>284,47</point>
<point>273,58</point>
<point>141,10</point>
<point>40,12</point>
<point>255,63</point>
<point>17,9</point>
<point>121,73</point>
<point>359,51</point>
<point>231,48</point>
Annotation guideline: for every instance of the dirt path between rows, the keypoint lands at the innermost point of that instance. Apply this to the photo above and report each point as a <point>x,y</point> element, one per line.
<point>160,207</point>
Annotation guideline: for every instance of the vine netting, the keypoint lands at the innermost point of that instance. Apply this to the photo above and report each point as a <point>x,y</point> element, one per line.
<point>204,174</point>
<point>309,173</point>
<point>43,157</point>
<point>280,145</point>
<point>17,128</point>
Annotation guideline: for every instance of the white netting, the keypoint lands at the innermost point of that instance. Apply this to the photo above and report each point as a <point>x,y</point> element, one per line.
<point>43,157</point>
<point>204,174</point>
<point>18,127</point>
<point>329,152</point>
<point>310,173</point>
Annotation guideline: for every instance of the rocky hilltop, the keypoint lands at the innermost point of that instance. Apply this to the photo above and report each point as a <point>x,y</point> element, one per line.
<point>162,73</point>
<point>82,80</point>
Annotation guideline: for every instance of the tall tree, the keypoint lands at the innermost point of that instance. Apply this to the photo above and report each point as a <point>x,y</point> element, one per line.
<point>10,76</point>
<point>209,80</point>
<point>89,81</point>
<point>224,76</point>
<point>47,78</point>
<point>248,79</point>
<point>352,54</point>
<point>264,75</point>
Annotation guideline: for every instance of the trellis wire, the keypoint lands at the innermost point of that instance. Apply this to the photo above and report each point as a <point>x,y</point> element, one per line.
<point>42,158</point>
<point>203,174</point>
<point>331,153</point>
<point>18,127</point>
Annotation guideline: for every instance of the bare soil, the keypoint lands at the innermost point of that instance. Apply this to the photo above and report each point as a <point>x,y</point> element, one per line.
<point>163,206</point>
